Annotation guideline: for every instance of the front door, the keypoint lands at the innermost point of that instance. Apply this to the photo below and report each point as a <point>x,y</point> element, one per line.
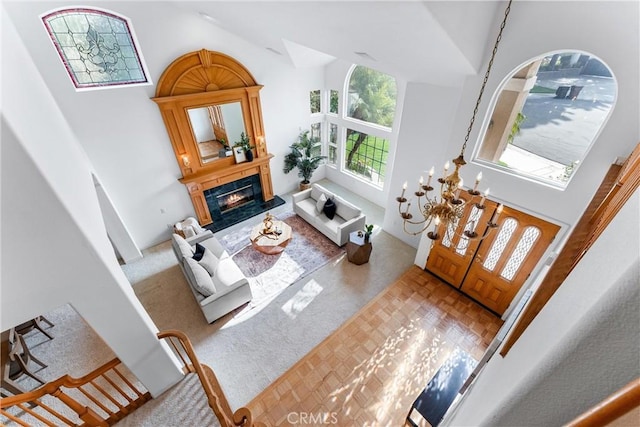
<point>451,256</point>
<point>492,270</point>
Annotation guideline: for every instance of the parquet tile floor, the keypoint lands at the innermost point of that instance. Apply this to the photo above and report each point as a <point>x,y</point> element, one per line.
<point>371,369</point>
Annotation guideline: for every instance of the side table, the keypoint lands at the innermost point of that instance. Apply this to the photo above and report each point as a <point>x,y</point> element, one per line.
<point>358,251</point>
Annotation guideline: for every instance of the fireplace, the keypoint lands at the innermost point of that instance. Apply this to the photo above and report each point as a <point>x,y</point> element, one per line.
<point>236,201</point>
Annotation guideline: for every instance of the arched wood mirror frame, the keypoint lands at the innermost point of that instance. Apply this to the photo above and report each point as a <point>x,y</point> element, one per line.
<point>207,78</point>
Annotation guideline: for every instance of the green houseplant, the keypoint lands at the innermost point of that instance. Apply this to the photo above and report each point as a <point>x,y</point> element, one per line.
<point>301,157</point>
<point>246,146</point>
<point>368,229</point>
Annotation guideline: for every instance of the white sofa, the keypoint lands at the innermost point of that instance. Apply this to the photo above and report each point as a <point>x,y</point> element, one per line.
<point>216,281</point>
<point>348,218</point>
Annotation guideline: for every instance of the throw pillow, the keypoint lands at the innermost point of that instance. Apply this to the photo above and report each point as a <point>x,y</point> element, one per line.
<point>209,262</point>
<point>203,283</point>
<point>329,209</point>
<point>320,203</point>
<point>197,255</point>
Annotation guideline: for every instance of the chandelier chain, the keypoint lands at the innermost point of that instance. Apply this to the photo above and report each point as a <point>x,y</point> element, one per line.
<point>486,77</point>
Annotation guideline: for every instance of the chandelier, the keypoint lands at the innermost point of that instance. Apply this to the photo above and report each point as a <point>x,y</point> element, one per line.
<point>447,207</point>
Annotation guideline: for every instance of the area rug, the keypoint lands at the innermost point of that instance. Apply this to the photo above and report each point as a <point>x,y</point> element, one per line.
<point>268,275</point>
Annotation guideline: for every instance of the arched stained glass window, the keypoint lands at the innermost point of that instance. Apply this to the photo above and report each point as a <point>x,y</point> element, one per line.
<point>97,48</point>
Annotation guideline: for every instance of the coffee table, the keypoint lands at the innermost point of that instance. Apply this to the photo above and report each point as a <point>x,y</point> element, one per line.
<point>272,241</point>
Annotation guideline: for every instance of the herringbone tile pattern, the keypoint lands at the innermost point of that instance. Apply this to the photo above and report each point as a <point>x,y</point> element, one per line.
<point>370,370</point>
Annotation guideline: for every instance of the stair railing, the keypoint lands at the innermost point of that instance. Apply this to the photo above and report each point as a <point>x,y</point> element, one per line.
<point>100,398</point>
<point>210,384</point>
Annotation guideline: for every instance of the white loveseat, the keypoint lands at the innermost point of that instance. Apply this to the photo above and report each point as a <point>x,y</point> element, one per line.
<point>348,218</point>
<point>216,280</point>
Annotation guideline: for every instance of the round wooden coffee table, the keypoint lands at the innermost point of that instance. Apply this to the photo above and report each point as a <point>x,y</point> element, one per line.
<point>273,241</point>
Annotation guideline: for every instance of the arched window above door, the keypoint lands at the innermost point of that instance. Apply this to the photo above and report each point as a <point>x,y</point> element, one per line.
<point>547,116</point>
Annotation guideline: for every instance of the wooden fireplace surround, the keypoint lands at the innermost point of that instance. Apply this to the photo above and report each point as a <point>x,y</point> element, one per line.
<point>201,79</point>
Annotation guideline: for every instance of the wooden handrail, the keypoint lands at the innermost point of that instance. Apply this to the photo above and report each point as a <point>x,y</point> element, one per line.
<point>215,395</point>
<point>53,412</point>
<point>612,408</point>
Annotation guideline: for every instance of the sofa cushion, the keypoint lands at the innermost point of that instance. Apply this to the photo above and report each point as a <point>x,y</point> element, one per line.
<point>317,190</point>
<point>329,208</point>
<point>228,276</point>
<point>199,252</point>
<point>202,282</point>
<point>209,261</point>
<point>184,248</point>
<point>346,210</point>
<point>308,207</point>
<point>216,247</point>
<point>320,203</point>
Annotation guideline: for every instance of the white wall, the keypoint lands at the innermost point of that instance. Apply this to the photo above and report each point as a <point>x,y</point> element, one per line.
<point>121,129</point>
<point>583,346</point>
<point>54,245</point>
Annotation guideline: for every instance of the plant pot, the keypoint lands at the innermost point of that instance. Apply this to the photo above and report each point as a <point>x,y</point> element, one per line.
<point>249,155</point>
<point>304,186</point>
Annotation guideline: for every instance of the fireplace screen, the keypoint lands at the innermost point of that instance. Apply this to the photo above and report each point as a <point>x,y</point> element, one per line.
<point>236,198</point>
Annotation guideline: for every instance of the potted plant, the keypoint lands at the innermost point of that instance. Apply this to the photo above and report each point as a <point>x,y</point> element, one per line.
<point>368,229</point>
<point>246,146</point>
<point>302,158</point>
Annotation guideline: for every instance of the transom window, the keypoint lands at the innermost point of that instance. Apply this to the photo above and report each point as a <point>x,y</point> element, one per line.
<point>96,47</point>
<point>547,116</point>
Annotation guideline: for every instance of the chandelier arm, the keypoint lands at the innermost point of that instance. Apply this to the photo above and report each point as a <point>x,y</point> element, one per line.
<point>486,77</point>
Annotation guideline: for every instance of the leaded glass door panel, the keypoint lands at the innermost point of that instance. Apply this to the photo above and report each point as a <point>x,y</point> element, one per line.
<point>450,257</point>
<point>505,259</point>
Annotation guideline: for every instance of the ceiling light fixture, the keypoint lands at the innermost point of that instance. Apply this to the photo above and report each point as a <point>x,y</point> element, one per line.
<point>447,208</point>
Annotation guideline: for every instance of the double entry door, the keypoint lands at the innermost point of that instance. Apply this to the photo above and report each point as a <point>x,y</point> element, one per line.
<point>490,270</point>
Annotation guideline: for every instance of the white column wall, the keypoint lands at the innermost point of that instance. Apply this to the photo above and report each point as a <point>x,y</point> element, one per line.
<point>54,246</point>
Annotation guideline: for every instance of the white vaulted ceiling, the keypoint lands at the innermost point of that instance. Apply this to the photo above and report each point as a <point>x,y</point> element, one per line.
<point>431,41</point>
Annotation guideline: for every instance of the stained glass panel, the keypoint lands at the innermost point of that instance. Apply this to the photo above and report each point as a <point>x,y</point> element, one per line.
<point>523,247</point>
<point>97,48</point>
<point>500,243</point>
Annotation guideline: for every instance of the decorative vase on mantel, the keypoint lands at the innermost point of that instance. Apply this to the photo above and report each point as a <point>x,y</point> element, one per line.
<point>249,155</point>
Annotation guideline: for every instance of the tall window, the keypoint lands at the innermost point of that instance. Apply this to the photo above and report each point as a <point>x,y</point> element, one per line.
<point>371,100</point>
<point>96,47</point>
<point>547,117</point>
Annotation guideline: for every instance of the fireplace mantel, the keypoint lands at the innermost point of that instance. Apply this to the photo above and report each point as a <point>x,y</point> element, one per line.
<point>208,80</point>
<point>198,183</point>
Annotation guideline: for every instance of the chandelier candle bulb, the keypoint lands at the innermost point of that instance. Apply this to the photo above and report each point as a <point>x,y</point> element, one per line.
<point>408,206</point>
<point>459,188</point>
<point>484,196</point>
<point>497,213</point>
<point>420,183</point>
<point>404,188</point>
<point>478,178</point>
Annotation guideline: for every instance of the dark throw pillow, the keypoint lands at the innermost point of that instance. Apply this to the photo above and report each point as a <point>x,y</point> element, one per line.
<point>329,209</point>
<point>199,253</point>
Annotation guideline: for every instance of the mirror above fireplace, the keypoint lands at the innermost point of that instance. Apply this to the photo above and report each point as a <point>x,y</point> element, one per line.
<point>205,98</point>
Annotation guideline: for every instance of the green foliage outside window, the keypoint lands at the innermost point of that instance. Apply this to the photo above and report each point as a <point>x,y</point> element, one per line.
<point>314,98</point>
